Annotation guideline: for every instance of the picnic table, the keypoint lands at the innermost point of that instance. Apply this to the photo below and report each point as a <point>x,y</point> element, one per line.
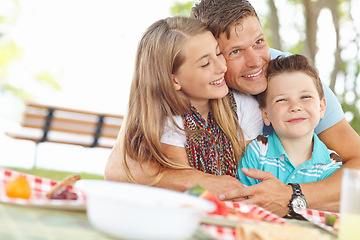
<point>42,219</point>
<point>22,222</point>
<point>30,223</point>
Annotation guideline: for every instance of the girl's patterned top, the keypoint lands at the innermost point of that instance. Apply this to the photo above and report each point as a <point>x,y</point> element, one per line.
<point>208,148</point>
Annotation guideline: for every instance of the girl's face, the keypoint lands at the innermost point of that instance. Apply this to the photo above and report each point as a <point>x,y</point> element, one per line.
<point>201,76</point>
<point>293,105</point>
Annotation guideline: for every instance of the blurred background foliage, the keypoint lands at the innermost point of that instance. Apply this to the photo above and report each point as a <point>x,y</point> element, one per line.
<point>10,52</point>
<point>343,70</point>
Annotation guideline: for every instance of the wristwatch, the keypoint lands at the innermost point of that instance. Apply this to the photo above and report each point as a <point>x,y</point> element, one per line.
<point>298,200</point>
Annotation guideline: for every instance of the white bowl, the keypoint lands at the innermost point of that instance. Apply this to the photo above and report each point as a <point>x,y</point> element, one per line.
<point>132,211</point>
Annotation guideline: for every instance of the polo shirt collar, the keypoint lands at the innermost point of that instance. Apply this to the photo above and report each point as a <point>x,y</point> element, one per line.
<point>275,148</point>
<point>320,153</point>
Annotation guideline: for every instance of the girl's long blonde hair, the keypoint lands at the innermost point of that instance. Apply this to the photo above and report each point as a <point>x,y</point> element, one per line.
<point>153,98</point>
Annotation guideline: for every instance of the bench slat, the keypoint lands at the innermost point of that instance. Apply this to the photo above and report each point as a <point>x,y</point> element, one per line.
<point>80,126</point>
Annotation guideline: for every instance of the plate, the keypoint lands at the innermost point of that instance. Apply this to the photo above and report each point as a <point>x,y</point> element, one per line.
<point>318,218</point>
<point>133,211</point>
<point>39,187</point>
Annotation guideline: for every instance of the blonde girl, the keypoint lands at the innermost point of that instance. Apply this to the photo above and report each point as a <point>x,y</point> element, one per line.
<point>178,91</point>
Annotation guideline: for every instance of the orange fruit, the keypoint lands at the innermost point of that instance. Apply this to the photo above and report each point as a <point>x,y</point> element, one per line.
<point>18,188</point>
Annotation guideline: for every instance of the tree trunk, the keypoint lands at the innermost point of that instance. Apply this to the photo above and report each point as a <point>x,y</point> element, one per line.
<point>311,13</point>
<point>333,6</point>
<point>274,26</point>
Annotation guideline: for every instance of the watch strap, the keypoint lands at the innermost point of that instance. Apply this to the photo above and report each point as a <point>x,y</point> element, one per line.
<point>296,189</point>
<point>296,193</point>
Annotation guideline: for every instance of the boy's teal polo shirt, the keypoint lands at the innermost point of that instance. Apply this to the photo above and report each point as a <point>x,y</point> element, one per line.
<point>268,154</point>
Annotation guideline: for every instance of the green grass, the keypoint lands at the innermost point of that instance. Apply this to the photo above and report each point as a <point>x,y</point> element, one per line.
<point>56,175</point>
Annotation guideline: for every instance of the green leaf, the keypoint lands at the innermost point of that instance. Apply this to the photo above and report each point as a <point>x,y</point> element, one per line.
<point>181,9</point>
<point>47,79</point>
<point>197,190</point>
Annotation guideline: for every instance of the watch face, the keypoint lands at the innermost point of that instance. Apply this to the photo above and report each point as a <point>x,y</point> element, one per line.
<point>298,203</point>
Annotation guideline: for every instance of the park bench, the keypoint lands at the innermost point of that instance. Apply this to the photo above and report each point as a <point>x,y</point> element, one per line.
<point>42,123</point>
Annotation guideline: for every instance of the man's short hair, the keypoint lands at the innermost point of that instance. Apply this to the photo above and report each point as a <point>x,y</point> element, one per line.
<point>221,15</point>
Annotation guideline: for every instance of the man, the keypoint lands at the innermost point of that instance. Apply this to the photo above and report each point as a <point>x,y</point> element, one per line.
<point>238,30</point>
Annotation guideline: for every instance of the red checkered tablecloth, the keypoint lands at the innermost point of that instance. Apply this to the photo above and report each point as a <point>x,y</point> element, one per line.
<point>228,233</point>
<point>264,214</point>
<point>39,187</point>
<point>318,218</point>
<point>219,233</point>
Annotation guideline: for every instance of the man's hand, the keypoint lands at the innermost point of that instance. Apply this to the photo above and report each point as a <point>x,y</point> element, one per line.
<point>270,193</point>
<point>182,180</point>
<point>220,184</point>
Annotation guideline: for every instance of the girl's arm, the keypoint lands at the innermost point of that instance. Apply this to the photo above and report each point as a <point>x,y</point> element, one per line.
<point>178,180</point>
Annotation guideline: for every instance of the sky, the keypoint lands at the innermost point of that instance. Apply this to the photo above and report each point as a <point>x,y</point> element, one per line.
<point>89,47</point>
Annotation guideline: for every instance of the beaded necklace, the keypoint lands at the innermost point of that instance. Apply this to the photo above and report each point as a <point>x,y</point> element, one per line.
<point>208,148</point>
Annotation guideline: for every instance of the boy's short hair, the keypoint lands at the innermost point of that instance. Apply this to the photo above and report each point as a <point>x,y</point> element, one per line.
<point>292,63</point>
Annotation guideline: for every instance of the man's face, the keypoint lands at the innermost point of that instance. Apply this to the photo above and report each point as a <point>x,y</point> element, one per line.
<point>247,56</point>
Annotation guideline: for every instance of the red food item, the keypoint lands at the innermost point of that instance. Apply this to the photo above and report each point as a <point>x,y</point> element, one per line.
<point>65,195</point>
<point>221,208</point>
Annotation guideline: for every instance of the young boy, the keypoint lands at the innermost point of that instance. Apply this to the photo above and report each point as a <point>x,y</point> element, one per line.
<point>293,103</point>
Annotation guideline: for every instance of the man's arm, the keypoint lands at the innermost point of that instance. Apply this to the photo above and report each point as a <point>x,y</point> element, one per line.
<point>343,139</point>
<point>178,180</point>
<point>274,195</point>
<point>346,142</point>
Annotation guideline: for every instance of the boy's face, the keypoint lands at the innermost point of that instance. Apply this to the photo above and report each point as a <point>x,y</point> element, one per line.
<point>247,56</point>
<point>293,105</point>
